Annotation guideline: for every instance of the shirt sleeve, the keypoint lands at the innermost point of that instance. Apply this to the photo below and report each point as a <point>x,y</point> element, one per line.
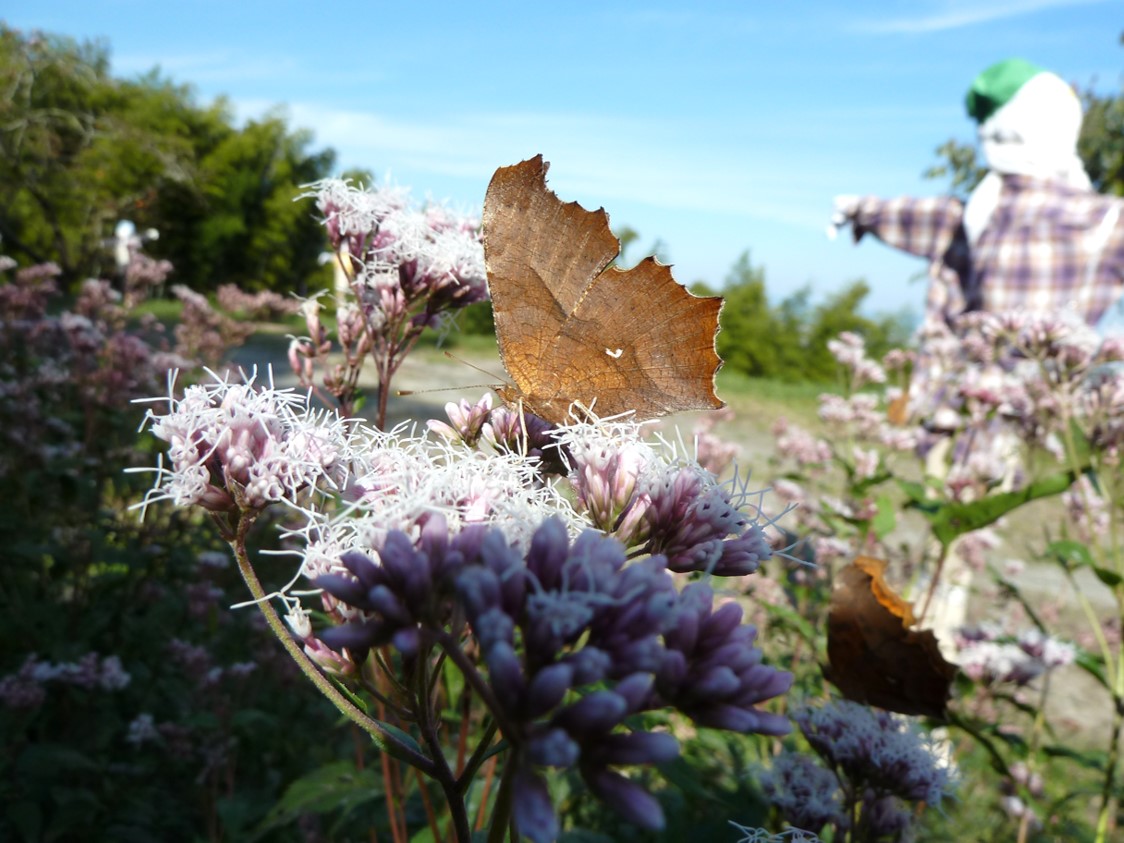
<point>922,227</point>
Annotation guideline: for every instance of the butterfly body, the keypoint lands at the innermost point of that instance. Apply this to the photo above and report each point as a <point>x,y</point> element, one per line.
<point>574,329</point>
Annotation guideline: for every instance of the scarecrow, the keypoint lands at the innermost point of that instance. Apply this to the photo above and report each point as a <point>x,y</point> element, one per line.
<point>1032,235</point>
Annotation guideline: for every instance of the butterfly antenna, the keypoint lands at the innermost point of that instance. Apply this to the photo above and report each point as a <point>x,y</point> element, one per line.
<point>482,371</point>
<point>494,385</point>
<point>404,392</point>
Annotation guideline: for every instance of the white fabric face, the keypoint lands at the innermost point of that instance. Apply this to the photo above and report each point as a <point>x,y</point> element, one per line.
<point>1033,134</point>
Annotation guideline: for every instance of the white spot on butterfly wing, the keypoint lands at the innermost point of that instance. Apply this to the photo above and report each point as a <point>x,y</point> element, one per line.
<point>615,354</point>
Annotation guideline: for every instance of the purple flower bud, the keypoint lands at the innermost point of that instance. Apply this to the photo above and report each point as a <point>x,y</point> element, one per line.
<point>507,564</point>
<point>591,664</point>
<point>598,711</point>
<point>406,567</point>
<point>548,688</point>
<point>549,548</point>
<point>407,640</point>
<point>384,601</point>
<point>636,748</point>
<point>635,689</point>
<point>720,683</point>
<point>361,565</point>
<point>673,670</point>
<point>344,589</point>
<point>553,748</point>
<point>492,627</point>
<point>505,674</point>
<point>479,589</point>
<point>533,811</point>
<point>357,637</point>
<point>627,798</point>
<point>720,624</point>
<point>465,420</point>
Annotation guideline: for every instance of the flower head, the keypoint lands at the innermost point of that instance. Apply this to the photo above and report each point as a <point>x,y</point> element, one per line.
<point>877,749</point>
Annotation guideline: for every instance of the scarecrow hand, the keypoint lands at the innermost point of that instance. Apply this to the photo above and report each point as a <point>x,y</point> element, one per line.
<point>844,210</point>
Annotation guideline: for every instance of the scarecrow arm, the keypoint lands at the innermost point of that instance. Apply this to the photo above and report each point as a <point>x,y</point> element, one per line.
<point>922,227</point>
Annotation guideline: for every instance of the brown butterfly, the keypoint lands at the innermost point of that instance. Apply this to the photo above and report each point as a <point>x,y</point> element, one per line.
<point>875,657</point>
<point>572,328</point>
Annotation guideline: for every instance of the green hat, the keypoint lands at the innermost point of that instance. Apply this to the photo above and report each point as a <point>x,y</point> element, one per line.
<point>995,86</point>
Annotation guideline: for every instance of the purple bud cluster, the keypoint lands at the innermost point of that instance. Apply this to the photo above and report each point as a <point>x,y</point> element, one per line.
<point>661,505</point>
<point>574,640</point>
<point>877,750</point>
<point>873,764</point>
<point>849,350</point>
<point>808,795</point>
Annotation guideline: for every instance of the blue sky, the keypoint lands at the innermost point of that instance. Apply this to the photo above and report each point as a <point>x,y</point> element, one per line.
<point>716,127</point>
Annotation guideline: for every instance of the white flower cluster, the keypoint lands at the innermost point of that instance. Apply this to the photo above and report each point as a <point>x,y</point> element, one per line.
<point>237,445</point>
<point>355,210</point>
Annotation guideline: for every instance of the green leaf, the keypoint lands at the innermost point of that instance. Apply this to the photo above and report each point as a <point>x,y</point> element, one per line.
<point>885,518</point>
<point>788,617</point>
<point>1094,666</point>
<point>334,787</point>
<point>403,737</point>
<point>950,520</point>
<point>860,488</point>
<point>1073,554</point>
<point>1088,760</point>
<point>27,818</point>
<point>1083,450</point>
<point>1109,578</point>
<point>1070,553</point>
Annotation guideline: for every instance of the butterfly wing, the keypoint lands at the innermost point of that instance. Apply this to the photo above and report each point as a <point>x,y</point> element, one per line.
<point>572,328</point>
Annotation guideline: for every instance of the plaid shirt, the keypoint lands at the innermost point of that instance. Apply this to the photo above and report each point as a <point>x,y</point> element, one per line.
<point>1045,247</point>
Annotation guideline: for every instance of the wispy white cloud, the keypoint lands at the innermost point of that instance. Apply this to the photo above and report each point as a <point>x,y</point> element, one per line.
<point>957,14</point>
<point>209,66</point>
<point>598,159</point>
<point>228,68</point>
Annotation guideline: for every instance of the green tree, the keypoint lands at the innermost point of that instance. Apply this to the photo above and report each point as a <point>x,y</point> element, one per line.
<point>236,221</point>
<point>1101,145</point>
<point>841,312</point>
<point>80,150</point>
<point>77,150</point>
<point>748,338</point>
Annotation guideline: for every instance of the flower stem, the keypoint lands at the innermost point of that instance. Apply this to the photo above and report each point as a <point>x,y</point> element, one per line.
<point>501,811</point>
<point>383,738</point>
<point>442,773</point>
<point>1105,814</point>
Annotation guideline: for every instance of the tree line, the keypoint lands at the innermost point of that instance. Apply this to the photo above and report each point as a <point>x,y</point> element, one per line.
<point>80,150</point>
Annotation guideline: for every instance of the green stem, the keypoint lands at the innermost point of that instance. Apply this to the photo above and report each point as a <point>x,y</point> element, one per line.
<point>482,753</point>
<point>1105,813</point>
<point>383,738</point>
<point>471,675</point>
<point>501,811</point>
<point>1111,668</point>
<point>442,773</point>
